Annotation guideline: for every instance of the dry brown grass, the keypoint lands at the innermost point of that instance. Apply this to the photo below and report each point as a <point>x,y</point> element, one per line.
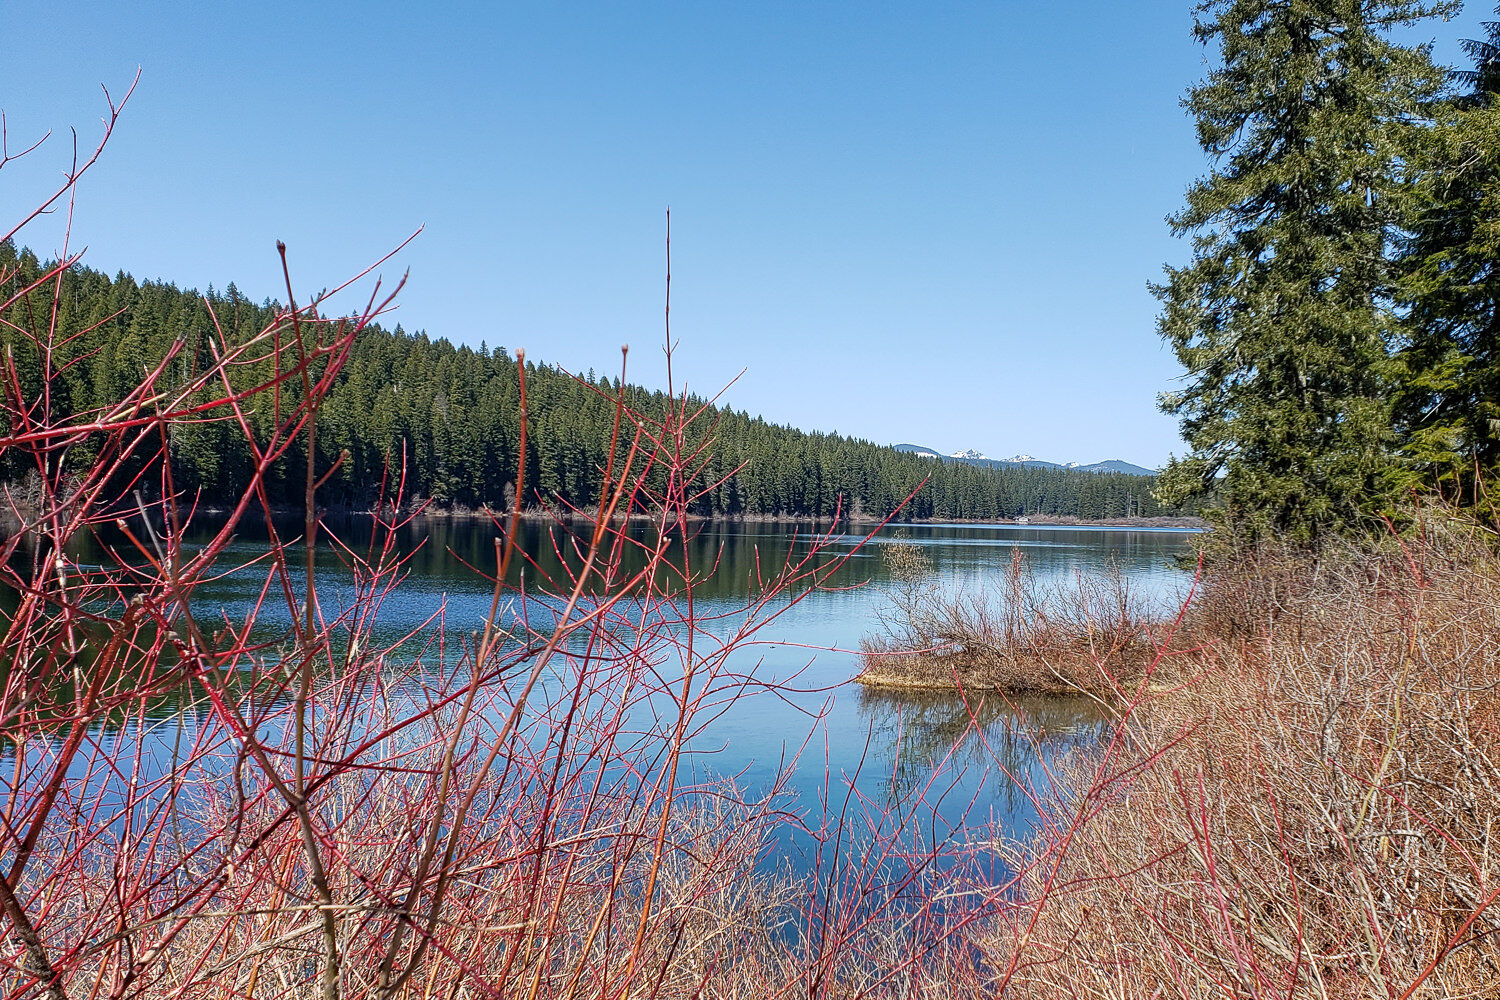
<point>1315,815</point>
<point>713,924</point>
<point>1090,634</point>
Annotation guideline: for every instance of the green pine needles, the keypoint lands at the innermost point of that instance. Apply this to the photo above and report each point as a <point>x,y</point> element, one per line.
<point>1288,318</point>
<point>1448,407</point>
<point>446,418</point>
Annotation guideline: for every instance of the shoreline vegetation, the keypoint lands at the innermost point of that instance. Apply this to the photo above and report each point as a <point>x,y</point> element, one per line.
<point>1088,636</point>
<point>544,515</point>
<point>1299,787</point>
<point>1308,802</point>
<point>1292,788</point>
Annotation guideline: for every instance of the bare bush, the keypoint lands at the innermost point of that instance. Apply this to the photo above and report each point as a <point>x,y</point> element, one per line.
<point>502,813</point>
<point>1085,635</point>
<point>1314,816</point>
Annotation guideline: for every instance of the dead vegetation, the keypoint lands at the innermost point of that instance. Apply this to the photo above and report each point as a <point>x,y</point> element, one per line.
<point>1089,634</point>
<point>1313,815</point>
<point>1294,793</point>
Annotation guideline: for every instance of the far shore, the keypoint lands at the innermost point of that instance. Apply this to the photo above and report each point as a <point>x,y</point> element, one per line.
<point>460,513</point>
<point>9,524</point>
<point>1050,521</point>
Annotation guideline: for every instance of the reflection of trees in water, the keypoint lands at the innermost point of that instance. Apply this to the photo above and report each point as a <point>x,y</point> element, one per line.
<point>916,732</point>
<point>728,560</point>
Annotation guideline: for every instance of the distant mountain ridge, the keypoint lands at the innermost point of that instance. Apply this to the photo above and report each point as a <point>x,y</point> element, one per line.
<point>970,456</point>
<point>1115,465</point>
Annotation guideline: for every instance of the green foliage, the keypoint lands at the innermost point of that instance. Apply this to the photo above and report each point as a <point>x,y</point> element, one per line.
<point>449,416</point>
<point>1449,404</point>
<point>1283,319</point>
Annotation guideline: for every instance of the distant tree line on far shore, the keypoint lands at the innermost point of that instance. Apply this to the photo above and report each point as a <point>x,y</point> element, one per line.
<point>453,412</point>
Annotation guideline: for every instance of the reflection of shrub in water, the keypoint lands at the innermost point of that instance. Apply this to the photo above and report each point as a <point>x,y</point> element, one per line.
<point>918,730</point>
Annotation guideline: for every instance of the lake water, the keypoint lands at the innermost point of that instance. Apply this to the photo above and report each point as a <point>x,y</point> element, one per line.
<point>948,770</point>
<point>886,746</point>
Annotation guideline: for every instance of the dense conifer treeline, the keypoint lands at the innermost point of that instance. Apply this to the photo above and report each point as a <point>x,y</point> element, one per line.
<point>455,412</point>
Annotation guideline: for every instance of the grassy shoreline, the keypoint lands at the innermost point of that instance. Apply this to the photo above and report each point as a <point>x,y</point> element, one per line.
<point>1089,636</point>
<point>1310,806</point>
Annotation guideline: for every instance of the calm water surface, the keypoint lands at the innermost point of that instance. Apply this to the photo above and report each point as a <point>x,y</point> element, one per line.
<point>887,746</point>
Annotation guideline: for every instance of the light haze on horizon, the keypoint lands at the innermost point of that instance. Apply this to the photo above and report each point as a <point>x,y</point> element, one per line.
<point>909,223</point>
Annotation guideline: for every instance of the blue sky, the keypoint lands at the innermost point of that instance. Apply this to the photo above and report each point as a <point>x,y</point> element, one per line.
<point>914,222</point>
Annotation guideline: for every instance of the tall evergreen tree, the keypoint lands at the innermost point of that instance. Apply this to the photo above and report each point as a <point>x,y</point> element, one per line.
<point>1450,403</point>
<point>1282,319</point>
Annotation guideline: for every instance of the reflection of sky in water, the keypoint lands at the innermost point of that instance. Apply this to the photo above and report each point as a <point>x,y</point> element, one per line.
<point>899,745</point>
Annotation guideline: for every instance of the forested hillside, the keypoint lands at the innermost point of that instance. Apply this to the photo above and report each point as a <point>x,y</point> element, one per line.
<point>455,412</point>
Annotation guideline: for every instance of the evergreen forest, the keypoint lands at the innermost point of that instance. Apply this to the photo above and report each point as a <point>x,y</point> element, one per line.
<point>451,414</point>
<point>1339,321</point>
